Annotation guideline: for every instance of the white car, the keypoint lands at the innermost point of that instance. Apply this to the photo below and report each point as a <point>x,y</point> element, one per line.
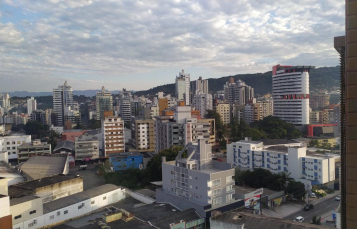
<point>313,195</point>
<point>299,219</point>
<point>338,197</point>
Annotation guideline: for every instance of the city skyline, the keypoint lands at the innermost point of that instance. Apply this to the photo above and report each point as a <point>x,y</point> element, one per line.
<point>91,43</point>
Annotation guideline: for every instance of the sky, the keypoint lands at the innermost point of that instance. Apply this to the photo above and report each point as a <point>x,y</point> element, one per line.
<point>138,45</point>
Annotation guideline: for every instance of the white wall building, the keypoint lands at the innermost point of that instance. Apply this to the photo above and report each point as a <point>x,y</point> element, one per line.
<point>62,102</point>
<point>202,102</point>
<point>10,144</point>
<point>289,157</point>
<point>291,93</point>
<point>182,86</point>
<point>57,129</point>
<point>31,105</point>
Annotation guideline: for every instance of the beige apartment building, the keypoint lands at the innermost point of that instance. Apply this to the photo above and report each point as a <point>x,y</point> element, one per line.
<point>224,110</point>
<point>113,135</point>
<point>142,134</point>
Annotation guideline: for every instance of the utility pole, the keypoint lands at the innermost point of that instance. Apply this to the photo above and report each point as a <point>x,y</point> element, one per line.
<point>260,203</point>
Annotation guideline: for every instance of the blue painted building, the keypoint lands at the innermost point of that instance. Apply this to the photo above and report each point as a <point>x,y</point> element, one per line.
<point>124,161</point>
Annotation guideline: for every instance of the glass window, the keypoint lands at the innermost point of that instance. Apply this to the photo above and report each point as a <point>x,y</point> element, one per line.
<point>65,212</point>
<point>17,217</point>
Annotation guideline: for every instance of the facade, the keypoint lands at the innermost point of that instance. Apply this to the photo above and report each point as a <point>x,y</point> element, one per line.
<point>11,143</point>
<point>62,102</point>
<point>31,105</point>
<point>71,135</point>
<point>182,87</point>
<point>203,103</point>
<point>319,101</point>
<point>224,110</point>
<point>291,93</point>
<point>142,134</point>
<point>5,215</point>
<point>57,129</point>
<point>180,128</point>
<point>238,92</point>
<point>199,86</point>
<point>39,116</point>
<point>289,157</point>
<point>196,181</point>
<point>113,135</point>
<point>86,147</point>
<point>125,105</point>
<point>64,209</point>
<point>124,161</point>
<point>104,102</point>
<point>27,150</point>
<point>163,105</point>
<point>257,111</point>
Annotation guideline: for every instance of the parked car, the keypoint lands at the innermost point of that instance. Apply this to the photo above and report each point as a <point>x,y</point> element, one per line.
<point>338,197</point>
<point>294,199</point>
<point>312,195</point>
<point>299,219</point>
<point>308,207</point>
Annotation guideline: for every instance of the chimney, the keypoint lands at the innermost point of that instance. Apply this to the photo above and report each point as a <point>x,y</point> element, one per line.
<point>163,159</point>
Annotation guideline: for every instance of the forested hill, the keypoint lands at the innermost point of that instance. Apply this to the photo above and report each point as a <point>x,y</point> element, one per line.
<point>320,78</point>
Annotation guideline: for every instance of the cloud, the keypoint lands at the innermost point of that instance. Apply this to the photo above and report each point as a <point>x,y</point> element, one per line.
<point>115,41</point>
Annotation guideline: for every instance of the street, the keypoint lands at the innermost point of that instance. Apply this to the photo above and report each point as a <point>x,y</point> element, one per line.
<point>320,209</point>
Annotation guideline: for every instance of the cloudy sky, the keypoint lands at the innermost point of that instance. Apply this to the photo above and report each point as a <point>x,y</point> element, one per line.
<point>142,44</point>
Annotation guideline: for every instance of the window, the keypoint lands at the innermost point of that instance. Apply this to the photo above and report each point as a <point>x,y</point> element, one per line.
<point>216,192</point>
<point>30,225</point>
<point>93,202</point>
<point>217,201</point>
<point>229,179</point>
<point>216,182</point>
<point>65,212</point>
<point>17,217</point>
<point>58,213</point>
<point>104,198</point>
<point>32,212</point>
<point>229,188</point>
<point>229,198</point>
<point>52,217</point>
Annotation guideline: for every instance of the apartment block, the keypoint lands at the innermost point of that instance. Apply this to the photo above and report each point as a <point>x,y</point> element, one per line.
<point>11,143</point>
<point>182,87</point>
<point>125,105</point>
<point>224,110</point>
<point>238,92</point>
<point>113,135</point>
<point>27,150</point>
<point>280,156</point>
<point>203,103</point>
<point>31,105</point>
<point>197,181</point>
<point>291,93</point>
<point>142,134</point>
<point>163,105</point>
<point>86,147</point>
<point>62,102</point>
<point>319,101</point>
<point>104,102</point>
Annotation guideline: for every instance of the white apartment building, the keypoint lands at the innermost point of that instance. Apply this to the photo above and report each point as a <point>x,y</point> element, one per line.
<point>31,105</point>
<point>113,135</point>
<point>197,181</point>
<point>224,110</point>
<point>11,143</point>
<point>182,87</point>
<point>290,157</point>
<point>199,86</point>
<point>202,102</point>
<point>86,147</point>
<point>104,102</point>
<point>62,102</point>
<point>142,134</point>
<point>125,105</point>
<point>291,93</point>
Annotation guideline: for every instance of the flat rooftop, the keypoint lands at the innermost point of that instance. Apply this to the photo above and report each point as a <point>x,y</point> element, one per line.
<point>6,169</point>
<point>78,197</point>
<point>267,142</point>
<point>27,188</point>
<point>126,154</point>
<point>256,221</point>
<point>38,167</point>
<point>245,190</point>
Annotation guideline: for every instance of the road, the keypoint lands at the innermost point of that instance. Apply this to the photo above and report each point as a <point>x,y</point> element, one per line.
<point>320,209</point>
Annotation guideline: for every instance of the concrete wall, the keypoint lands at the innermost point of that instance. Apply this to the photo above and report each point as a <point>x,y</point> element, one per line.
<point>59,190</point>
<point>3,188</point>
<point>75,210</point>
<point>140,197</point>
<point>24,209</point>
<point>5,206</point>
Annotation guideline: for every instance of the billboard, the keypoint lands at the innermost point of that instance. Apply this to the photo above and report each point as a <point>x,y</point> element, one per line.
<point>252,198</point>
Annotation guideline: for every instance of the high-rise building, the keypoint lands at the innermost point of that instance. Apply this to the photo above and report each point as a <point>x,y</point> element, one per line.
<point>199,86</point>
<point>143,134</point>
<point>31,105</point>
<point>238,92</point>
<point>224,110</point>
<point>257,111</point>
<point>5,100</point>
<point>125,105</point>
<point>62,102</point>
<point>104,102</point>
<point>291,93</point>
<point>197,181</point>
<point>182,87</point>
<point>113,135</point>
<point>319,101</point>
<point>163,105</point>
<point>181,128</point>
<point>203,103</point>
<point>39,116</point>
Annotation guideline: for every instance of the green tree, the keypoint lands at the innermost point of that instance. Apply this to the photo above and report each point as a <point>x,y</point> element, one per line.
<point>296,189</point>
<point>34,128</point>
<point>275,128</point>
<point>94,124</point>
<point>53,138</point>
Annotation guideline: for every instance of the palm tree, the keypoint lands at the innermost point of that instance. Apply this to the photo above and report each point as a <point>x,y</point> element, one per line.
<point>285,179</point>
